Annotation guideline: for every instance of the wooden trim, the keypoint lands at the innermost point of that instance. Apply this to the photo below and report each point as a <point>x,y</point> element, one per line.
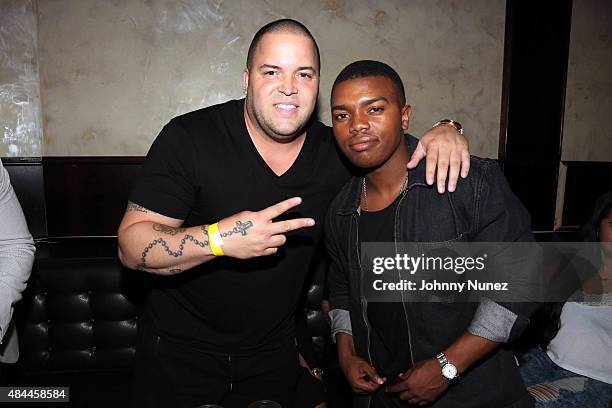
<point>93,159</point>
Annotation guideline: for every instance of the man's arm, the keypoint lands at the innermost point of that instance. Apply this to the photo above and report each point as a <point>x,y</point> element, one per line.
<point>361,376</point>
<point>423,383</point>
<point>155,243</point>
<point>16,251</point>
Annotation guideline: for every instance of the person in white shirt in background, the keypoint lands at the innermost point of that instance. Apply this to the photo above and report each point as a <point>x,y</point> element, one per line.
<point>16,258</point>
<point>573,366</point>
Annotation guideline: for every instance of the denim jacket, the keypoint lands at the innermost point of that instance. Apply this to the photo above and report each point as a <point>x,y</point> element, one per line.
<point>483,208</point>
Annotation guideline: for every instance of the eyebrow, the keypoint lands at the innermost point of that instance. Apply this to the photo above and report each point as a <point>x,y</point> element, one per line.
<point>308,68</point>
<point>270,66</point>
<point>366,102</point>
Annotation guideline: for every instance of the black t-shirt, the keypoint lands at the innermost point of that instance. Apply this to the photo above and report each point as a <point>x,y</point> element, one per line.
<point>389,345</point>
<point>203,167</point>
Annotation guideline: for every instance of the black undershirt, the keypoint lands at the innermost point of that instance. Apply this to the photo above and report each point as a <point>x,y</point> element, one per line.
<point>389,345</point>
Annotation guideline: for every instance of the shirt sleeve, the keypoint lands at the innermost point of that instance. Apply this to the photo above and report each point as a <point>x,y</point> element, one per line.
<point>337,282</point>
<point>501,217</point>
<point>492,321</point>
<point>16,251</point>
<point>167,184</point>
<point>340,322</point>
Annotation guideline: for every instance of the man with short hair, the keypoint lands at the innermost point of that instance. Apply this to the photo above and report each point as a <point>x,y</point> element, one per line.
<point>219,328</point>
<point>400,352</point>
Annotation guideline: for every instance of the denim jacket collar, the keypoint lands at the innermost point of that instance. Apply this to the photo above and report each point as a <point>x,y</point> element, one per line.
<point>352,194</point>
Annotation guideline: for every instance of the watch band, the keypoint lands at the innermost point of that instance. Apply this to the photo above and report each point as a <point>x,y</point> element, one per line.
<point>445,364</point>
<point>451,122</point>
<point>442,360</point>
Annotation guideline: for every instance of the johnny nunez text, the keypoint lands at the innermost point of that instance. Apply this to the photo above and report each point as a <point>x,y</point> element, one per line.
<point>434,285</point>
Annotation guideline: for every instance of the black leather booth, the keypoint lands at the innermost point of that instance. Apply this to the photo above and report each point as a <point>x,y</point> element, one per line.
<point>78,323</point>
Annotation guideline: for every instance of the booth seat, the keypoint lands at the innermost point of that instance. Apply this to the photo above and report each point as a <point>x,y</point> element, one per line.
<point>78,322</point>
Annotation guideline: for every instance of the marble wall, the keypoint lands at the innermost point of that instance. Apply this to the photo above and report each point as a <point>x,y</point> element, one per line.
<point>588,98</point>
<point>20,112</point>
<point>113,72</point>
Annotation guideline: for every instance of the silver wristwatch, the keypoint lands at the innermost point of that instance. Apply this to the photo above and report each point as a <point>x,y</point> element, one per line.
<point>449,371</point>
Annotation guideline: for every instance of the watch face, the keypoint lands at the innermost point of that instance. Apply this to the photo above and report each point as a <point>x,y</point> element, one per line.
<point>449,371</point>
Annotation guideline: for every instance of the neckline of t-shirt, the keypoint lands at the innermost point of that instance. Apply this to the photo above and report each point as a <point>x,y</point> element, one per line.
<point>297,167</point>
<point>383,211</point>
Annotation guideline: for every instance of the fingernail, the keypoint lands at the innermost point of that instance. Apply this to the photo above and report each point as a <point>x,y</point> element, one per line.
<point>429,181</point>
<point>451,187</point>
<point>440,189</point>
<point>310,222</point>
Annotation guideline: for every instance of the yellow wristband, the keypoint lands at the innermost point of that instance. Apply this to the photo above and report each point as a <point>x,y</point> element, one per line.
<point>214,239</point>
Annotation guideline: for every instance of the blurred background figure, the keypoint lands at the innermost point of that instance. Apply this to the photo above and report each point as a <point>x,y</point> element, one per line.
<point>16,258</point>
<point>572,367</point>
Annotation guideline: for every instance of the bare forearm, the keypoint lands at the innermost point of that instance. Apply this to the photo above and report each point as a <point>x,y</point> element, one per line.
<point>346,346</point>
<point>158,244</point>
<point>468,349</point>
<point>162,249</point>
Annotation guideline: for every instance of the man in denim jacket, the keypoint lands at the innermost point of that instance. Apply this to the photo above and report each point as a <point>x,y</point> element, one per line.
<point>447,355</point>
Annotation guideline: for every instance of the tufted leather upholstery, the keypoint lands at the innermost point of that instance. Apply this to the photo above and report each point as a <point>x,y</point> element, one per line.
<point>77,315</point>
<point>317,322</point>
<point>313,326</point>
<point>80,313</point>
<point>78,321</point>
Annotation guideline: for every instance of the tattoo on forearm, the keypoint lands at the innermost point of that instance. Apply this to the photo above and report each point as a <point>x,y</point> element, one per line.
<point>167,230</point>
<point>241,227</point>
<point>160,241</point>
<point>135,207</point>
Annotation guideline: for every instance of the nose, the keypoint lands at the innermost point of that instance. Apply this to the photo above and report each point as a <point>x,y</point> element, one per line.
<point>358,123</point>
<point>287,86</point>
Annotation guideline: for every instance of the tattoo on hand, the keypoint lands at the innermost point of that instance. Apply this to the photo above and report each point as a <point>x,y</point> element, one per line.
<point>166,247</point>
<point>241,227</point>
<point>135,207</point>
<point>167,230</point>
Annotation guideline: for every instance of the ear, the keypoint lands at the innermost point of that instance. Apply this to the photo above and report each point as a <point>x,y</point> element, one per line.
<point>406,110</point>
<point>245,80</point>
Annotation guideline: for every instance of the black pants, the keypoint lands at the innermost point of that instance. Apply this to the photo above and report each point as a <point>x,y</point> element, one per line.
<point>172,375</point>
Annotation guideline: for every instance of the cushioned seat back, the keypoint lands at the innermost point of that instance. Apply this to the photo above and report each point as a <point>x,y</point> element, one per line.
<point>77,315</point>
